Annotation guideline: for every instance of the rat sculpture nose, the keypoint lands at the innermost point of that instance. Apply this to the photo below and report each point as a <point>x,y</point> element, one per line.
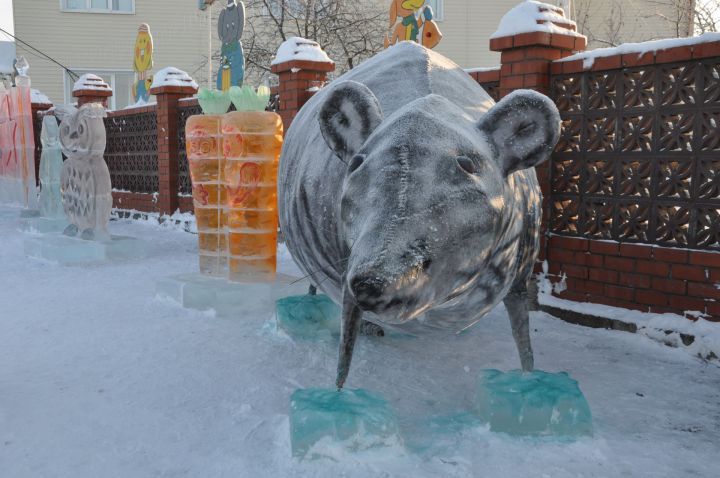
<point>367,290</point>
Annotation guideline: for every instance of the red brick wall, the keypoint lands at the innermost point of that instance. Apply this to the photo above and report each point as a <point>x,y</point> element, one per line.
<point>636,276</point>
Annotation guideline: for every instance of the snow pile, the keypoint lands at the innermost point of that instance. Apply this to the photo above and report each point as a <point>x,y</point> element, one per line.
<point>532,16</point>
<point>296,48</point>
<point>589,57</point>
<point>88,81</point>
<point>670,329</point>
<point>172,76</point>
<point>36,96</point>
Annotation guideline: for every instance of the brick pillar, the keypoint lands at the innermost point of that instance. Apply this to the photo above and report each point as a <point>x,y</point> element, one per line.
<point>299,80</point>
<point>526,57</point>
<point>167,143</point>
<point>92,96</point>
<point>526,60</point>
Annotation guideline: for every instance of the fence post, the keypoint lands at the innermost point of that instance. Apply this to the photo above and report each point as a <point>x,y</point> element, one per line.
<point>167,143</point>
<point>91,89</point>
<point>299,80</point>
<point>526,57</point>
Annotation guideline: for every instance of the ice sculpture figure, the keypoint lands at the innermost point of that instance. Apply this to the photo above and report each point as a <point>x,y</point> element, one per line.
<point>353,419</point>
<point>17,145</point>
<point>50,165</point>
<point>204,153</point>
<point>232,58</point>
<point>251,147</point>
<point>85,178</point>
<point>233,162</point>
<point>533,403</point>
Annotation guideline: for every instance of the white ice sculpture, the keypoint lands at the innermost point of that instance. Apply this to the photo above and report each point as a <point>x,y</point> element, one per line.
<point>85,178</point>
<point>50,165</point>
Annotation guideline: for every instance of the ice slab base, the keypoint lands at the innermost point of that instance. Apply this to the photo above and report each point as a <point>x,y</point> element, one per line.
<point>228,299</point>
<point>324,422</point>
<point>43,225</point>
<point>73,250</point>
<point>533,403</point>
<point>308,316</point>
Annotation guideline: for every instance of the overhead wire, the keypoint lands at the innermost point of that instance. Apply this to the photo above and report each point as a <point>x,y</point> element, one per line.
<point>72,74</point>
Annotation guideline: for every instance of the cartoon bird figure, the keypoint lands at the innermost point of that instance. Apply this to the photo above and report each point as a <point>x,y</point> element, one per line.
<point>142,62</point>
<point>413,14</point>
<point>232,58</point>
<point>85,185</point>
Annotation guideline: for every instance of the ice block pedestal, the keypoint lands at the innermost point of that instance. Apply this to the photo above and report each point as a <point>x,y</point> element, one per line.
<point>43,224</point>
<point>227,299</point>
<point>74,250</point>
<point>308,316</point>
<point>323,420</point>
<point>533,403</point>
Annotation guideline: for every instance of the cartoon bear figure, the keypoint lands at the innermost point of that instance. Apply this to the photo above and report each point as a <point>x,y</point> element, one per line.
<point>232,58</point>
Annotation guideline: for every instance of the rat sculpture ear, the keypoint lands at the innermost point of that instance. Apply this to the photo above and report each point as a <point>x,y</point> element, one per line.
<point>349,115</point>
<point>523,129</point>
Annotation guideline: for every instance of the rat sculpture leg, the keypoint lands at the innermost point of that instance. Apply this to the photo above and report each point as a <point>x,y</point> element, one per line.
<point>516,303</point>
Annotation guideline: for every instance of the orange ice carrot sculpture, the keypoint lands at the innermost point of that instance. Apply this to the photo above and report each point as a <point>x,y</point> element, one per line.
<point>252,139</point>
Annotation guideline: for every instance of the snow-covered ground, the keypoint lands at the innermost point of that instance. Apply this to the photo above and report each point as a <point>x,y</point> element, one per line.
<point>100,378</point>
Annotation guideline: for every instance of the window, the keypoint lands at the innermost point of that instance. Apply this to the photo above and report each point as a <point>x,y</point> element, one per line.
<point>437,8</point>
<point>120,81</point>
<point>98,6</point>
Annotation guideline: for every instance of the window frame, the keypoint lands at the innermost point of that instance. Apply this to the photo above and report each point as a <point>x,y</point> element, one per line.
<point>439,12</point>
<point>89,9</point>
<point>106,74</point>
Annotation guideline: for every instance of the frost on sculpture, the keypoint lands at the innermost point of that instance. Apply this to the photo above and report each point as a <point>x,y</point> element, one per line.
<point>85,178</point>
<point>416,205</point>
<point>50,165</point>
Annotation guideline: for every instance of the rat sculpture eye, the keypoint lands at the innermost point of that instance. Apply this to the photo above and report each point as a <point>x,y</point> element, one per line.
<point>355,162</point>
<point>466,164</point>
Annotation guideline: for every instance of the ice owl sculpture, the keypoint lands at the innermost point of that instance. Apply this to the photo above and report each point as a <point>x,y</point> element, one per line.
<point>50,166</point>
<point>85,178</point>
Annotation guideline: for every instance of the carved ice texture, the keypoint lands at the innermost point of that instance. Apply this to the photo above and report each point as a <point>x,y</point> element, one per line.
<point>17,146</point>
<point>205,157</point>
<point>85,178</point>
<point>535,403</point>
<point>325,420</point>
<point>50,166</point>
<point>308,316</point>
<point>251,146</point>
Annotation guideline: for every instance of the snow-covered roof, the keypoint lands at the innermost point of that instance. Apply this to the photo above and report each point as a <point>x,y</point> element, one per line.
<point>532,16</point>
<point>589,57</point>
<point>297,48</point>
<point>172,76</point>
<point>36,96</point>
<point>89,81</point>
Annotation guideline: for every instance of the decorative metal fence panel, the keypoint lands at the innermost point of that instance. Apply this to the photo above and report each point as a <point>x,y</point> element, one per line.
<point>639,155</point>
<point>131,151</point>
<point>493,89</point>
<point>184,112</point>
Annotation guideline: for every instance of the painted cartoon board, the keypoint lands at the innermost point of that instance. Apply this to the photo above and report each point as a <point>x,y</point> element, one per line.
<point>142,63</point>
<point>412,20</point>
<point>232,58</point>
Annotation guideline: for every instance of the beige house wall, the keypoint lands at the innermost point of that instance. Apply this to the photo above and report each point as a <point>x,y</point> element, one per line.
<point>105,41</point>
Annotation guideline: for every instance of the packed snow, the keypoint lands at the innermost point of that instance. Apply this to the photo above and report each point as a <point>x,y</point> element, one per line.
<point>588,57</point>
<point>98,377</point>
<point>171,76</point>
<point>36,96</point>
<point>296,48</point>
<point>89,81</point>
<point>532,16</point>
